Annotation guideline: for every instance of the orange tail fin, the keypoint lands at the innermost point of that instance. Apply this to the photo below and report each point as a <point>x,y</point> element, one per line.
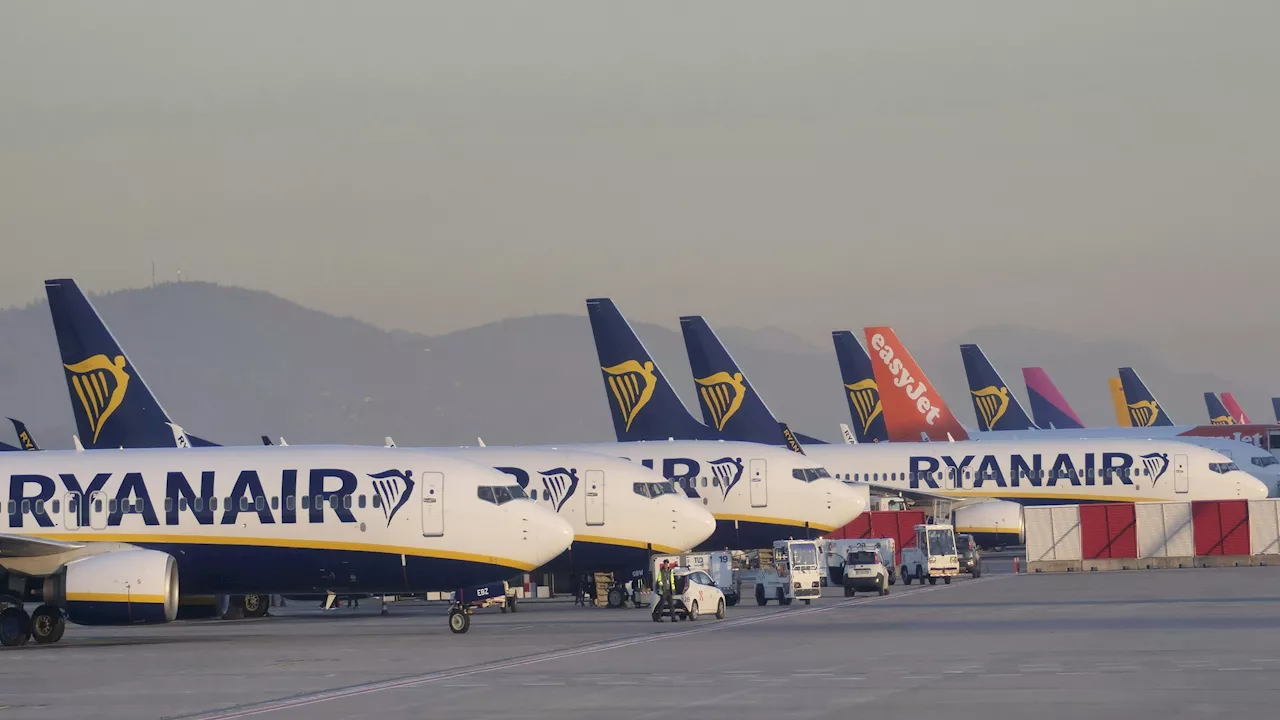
<point>912,406</point>
<point>1118,402</point>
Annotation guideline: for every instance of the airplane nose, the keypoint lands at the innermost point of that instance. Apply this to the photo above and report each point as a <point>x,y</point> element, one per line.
<point>694,525</point>
<point>551,534</point>
<point>847,502</point>
<point>1253,488</point>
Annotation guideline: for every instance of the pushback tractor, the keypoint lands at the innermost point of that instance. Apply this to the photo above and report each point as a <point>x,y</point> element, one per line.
<point>794,573</point>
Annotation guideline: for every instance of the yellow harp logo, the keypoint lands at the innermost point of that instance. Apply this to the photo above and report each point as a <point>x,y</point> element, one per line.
<point>864,395</point>
<point>632,385</point>
<point>722,394</point>
<point>1222,420</point>
<point>1144,413</point>
<point>100,384</point>
<point>992,402</point>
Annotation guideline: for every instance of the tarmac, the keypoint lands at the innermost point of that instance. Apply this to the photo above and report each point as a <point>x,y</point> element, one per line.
<point>1164,644</point>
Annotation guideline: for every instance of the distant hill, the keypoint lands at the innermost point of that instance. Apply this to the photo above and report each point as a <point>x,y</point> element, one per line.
<point>231,364</point>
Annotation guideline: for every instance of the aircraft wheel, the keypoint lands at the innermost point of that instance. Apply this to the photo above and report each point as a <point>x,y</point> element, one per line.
<point>693,611</point>
<point>760,598</point>
<point>720,610</point>
<point>15,627</point>
<point>48,624</point>
<point>255,605</point>
<point>459,621</point>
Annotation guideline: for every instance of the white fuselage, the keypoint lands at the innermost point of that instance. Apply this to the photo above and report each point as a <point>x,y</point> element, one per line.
<point>1044,471</point>
<point>618,516</point>
<point>282,519</point>
<point>752,490</point>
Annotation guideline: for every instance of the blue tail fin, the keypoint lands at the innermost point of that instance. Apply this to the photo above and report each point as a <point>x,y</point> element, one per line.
<point>860,388</point>
<point>729,403</point>
<point>1275,407</point>
<point>24,436</point>
<point>112,404</point>
<point>994,403</point>
<point>1144,409</point>
<point>1218,414</point>
<point>644,405</point>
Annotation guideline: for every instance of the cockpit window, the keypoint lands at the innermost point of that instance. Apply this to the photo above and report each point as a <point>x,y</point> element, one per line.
<point>1223,468</point>
<point>501,495</point>
<point>1265,460</point>
<point>810,474</point>
<point>641,489</point>
<point>653,489</point>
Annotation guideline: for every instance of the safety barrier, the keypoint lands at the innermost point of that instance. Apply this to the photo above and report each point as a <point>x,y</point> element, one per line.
<point>1115,536</point>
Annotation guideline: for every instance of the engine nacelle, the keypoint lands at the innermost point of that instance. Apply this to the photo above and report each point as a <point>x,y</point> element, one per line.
<point>121,587</point>
<point>993,523</point>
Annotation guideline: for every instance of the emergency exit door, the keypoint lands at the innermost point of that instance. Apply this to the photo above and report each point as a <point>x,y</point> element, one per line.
<point>432,504</point>
<point>595,497</point>
<point>759,483</point>
<point>1180,483</point>
<point>71,520</point>
<point>98,511</point>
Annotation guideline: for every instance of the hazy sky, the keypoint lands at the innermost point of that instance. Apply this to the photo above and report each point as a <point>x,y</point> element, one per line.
<point>1082,166</point>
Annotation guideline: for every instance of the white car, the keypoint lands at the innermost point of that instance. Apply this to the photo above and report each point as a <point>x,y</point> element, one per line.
<point>864,571</point>
<point>696,593</point>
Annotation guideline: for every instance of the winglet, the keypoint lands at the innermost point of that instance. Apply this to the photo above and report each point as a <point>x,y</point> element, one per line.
<point>1049,408</point>
<point>912,407</point>
<point>25,440</point>
<point>847,433</point>
<point>179,436</point>
<point>283,443</point>
<point>480,440</point>
<point>790,438</point>
<point>1234,408</point>
<point>76,440</point>
<point>266,440</point>
<point>389,442</point>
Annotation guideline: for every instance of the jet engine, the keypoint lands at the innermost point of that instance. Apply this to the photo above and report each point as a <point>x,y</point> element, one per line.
<point>992,523</point>
<point>121,587</point>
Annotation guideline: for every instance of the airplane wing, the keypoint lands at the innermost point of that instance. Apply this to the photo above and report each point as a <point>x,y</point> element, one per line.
<point>27,546</point>
<point>914,495</point>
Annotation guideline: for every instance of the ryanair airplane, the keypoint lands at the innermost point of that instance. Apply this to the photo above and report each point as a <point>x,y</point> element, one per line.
<point>104,538</point>
<point>1010,474</point>
<point>1004,418</point>
<point>756,492</point>
<point>620,512</point>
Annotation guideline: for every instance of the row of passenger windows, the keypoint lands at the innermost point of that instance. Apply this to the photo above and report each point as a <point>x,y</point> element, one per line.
<point>246,504</point>
<point>1018,474</point>
<point>501,494</point>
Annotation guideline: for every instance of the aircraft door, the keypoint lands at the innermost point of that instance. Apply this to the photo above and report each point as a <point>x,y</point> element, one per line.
<point>432,489</point>
<point>71,512</point>
<point>595,497</point>
<point>1180,483</point>
<point>98,511</point>
<point>759,483</point>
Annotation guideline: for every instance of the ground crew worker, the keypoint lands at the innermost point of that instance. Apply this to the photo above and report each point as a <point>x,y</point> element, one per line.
<point>667,586</point>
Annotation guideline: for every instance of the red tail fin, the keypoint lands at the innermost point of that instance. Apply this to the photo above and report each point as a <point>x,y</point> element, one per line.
<point>1234,408</point>
<point>911,405</point>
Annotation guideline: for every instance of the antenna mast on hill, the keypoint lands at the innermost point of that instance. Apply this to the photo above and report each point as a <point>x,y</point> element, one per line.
<point>153,273</point>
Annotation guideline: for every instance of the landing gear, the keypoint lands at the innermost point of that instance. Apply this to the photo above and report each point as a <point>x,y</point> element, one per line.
<point>256,606</point>
<point>459,620</point>
<point>48,624</point>
<point>15,626</point>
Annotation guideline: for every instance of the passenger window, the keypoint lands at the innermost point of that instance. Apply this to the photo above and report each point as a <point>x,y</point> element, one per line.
<point>97,505</point>
<point>199,504</point>
<point>346,502</point>
<point>26,506</point>
<point>306,502</point>
<point>275,502</point>
<point>377,501</point>
<point>244,503</point>
<point>260,503</point>
<point>39,507</point>
<point>112,506</point>
<point>534,493</point>
<point>55,507</point>
<point>704,482</point>
<point>715,482</point>
<point>289,503</point>
<point>361,502</point>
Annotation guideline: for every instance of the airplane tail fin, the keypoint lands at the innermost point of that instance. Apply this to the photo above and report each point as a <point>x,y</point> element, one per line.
<point>995,405</point>
<point>1233,407</point>
<point>1218,414</point>
<point>729,403</point>
<point>1275,408</point>
<point>644,405</point>
<point>25,440</point>
<point>1117,402</point>
<point>1144,409</point>
<point>1049,408</point>
<point>912,407</point>
<point>861,390</point>
<point>266,440</point>
<point>8,448</point>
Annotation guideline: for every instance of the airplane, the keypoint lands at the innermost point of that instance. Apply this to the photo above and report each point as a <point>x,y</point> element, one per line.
<point>102,538</point>
<point>861,390</point>
<point>985,380</point>
<point>1144,409</point>
<point>1006,475</point>
<point>620,512</point>
<point>1218,414</point>
<point>758,493</point>
<point>1233,407</point>
<point>25,439</point>
<point>1048,407</point>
